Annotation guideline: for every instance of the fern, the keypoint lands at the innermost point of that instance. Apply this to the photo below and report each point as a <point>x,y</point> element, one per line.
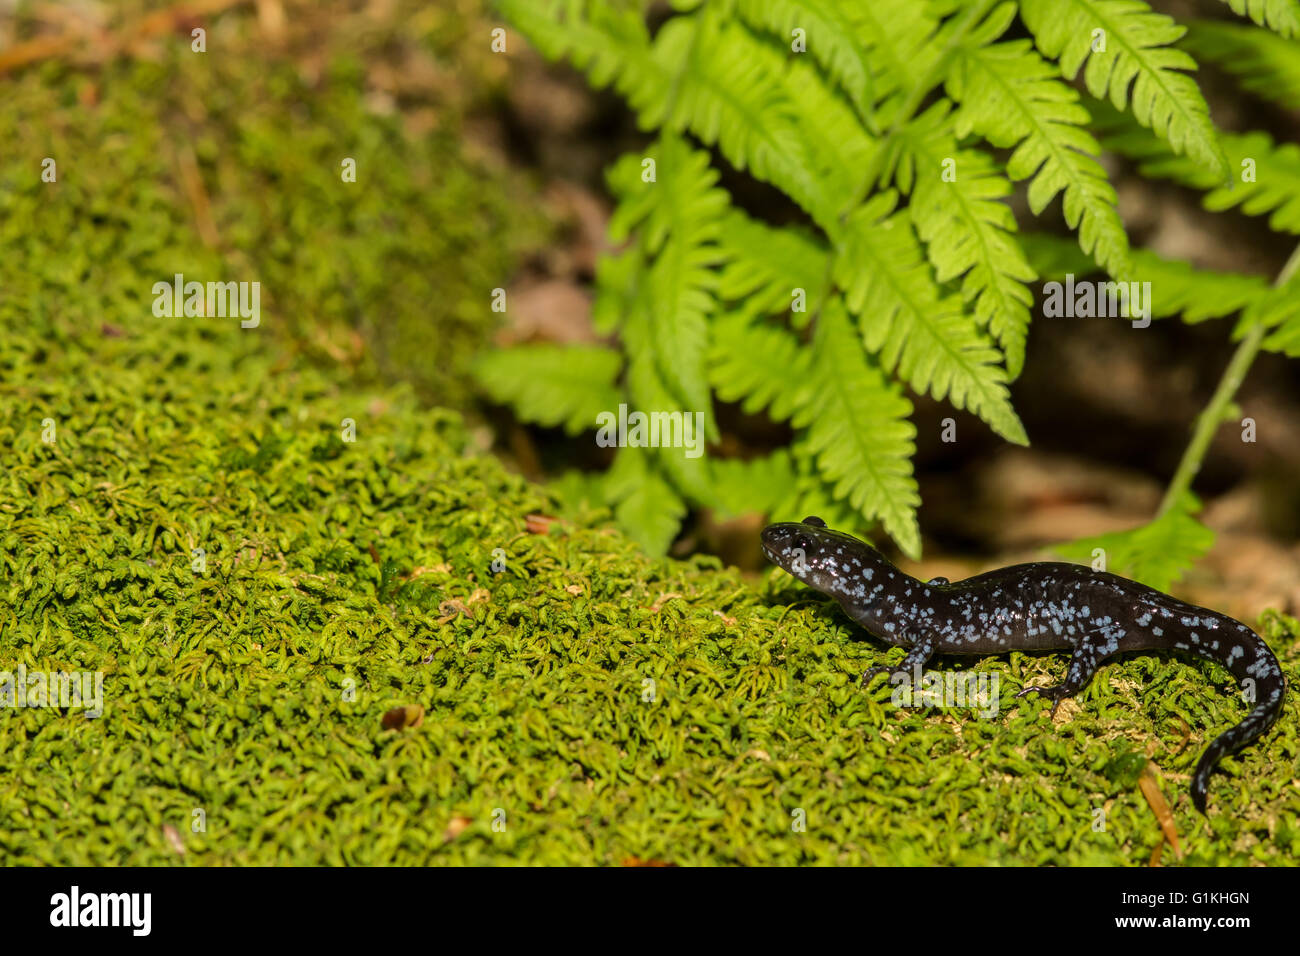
<point>1010,96</point>
<point>680,214</point>
<point>967,232</point>
<point>1156,553</point>
<point>830,38</point>
<point>1135,52</point>
<point>1279,313</point>
<point>901,130</point>
<point>553,385</point>
<point>917,329</point>
<point>1266,64</point>
<point>858,430</point>
<point>1280,15</point>
<point>1274,186</point>
<point>1179,289</point>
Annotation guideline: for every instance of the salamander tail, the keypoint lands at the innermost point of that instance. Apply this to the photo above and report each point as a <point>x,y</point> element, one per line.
<point>1255,663</point>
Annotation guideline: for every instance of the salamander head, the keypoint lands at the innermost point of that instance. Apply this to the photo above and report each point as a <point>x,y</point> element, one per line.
<point>830,561</point>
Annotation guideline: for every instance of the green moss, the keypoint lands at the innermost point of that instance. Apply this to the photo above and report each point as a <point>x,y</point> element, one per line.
<point>344,579</point>
<point>227,165</point>
<point>371,562</point>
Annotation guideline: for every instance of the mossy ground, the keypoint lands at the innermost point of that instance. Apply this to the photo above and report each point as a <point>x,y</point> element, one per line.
<point>369,564</point>
<point>346,579</point>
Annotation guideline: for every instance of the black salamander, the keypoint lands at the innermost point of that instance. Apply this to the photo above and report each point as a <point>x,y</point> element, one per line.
<point>1043,606</point>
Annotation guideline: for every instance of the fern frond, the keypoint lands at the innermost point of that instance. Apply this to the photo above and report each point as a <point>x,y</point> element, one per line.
<point>967,231</point>
<point>1276,170</point>
<point>1265,63</point>
<point>915,328</point>
<point>688,469</point>
<point>757,485</point>
<point>697,74</point>
<point>1279,310</point>
<point>757,364</point>
<point>764,265</point>
<point>1195,294</point>
<point>1281,16</point>
<point>1177,287</point>
<point>644,502</point>
<point>567,385</point>
<point>898,35</point>
<point>717,88</point>
<point>1136,53</point>
<point>857,426</point>
<point>1157,553</point>
<point>830,130</point>
<point>678,217</point>
<point>830,38</point>
<point>811,495</point>
<point>1012,97</point>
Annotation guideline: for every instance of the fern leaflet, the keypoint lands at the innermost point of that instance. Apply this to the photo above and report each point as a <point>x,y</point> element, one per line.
<point>912,324</point>
<point>1134,50</point>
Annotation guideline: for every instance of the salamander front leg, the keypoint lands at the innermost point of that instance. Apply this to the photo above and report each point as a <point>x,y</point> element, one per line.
<point>1083,664</point>
<point>917,657</point>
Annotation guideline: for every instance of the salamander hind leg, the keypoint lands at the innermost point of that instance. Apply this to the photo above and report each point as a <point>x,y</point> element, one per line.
<point>1083,664</point>
<point>920,653</point>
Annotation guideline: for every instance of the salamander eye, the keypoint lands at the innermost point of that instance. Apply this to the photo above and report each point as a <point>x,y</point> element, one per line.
<point>803,544</point>
<point>815,521</point>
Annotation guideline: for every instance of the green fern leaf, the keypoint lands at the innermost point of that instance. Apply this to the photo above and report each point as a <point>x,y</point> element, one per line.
<point>1267,64</point>
<point>898,35</point>
<point>1280,311</point>
<point>678,217</point>
<point>830,38</point>
<point>644,502</point>
<point>764,267</point>
<point>1137,54</point>
<point>967,231</point>
<point>1274,171</point>
<point>1282,16</point>
<point>552,384</point>
<point>717,88</point>
<point>757,485</point>
<point>915,328</point>
<point>858,429</point>
<point>757,364</point>
<point>810,494</point>
<point>1177,287</point>
<point>1157,553</point>
<point>1011,97</point>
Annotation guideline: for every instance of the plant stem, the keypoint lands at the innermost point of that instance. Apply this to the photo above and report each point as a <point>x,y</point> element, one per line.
<point>1213,414</point>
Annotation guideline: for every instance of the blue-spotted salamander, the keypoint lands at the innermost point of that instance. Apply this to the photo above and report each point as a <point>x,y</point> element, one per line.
<point>1043,606</point>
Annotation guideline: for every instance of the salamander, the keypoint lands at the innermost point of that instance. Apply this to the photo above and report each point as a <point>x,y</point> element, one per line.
<point>1041,606</point>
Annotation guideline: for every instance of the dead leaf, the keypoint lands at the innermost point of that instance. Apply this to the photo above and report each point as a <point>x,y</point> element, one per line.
<point>661,601</point>
<point>403,718</point>
<point>637,861</point>
<point>1159,806</point>
<point>174,838</point>
<point>539,524</point>
<point>455,827</point>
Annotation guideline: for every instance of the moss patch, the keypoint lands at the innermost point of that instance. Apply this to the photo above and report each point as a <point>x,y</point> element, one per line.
<point>228,166</point>
<point>347,579</point>
<point>582,704</point>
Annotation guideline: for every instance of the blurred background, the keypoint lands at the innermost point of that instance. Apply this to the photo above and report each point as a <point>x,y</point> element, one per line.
<point>479,170</point>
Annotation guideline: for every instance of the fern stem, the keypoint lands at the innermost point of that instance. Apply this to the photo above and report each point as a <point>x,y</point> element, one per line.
<point>1215,412</point>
